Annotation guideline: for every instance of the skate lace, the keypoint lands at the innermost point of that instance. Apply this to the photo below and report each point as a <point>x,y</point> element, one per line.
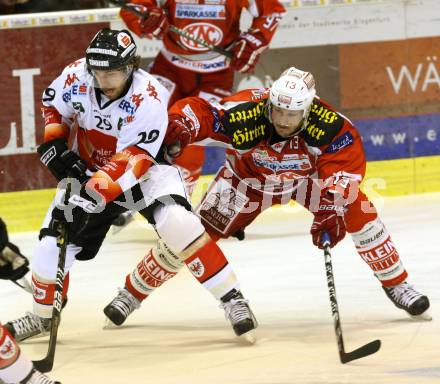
<point>27,324</point>
<point>236,310</point>
<point>39,378</point>
<point>125,302</point>
<point>405,294</point>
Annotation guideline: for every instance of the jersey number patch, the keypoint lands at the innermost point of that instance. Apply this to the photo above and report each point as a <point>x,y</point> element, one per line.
<point>151,137</point>
<point>103,123</point>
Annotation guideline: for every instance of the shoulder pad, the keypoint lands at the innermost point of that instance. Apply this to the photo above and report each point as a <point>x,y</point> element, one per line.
<point>245,124</point>
<point>322,125</point>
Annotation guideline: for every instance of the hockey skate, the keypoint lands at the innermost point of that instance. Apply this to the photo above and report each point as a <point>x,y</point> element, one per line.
<point>30,325</point>
<point>121,307</point>
<point>122,221</point>
<point>405,297</point>
<point>238,312</point>
<point>36,377</point>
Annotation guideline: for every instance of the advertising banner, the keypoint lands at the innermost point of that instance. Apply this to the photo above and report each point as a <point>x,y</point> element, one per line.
<point>31,60</point>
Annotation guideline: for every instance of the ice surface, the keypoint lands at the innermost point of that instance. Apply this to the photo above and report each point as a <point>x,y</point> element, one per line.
<point>180,335</point>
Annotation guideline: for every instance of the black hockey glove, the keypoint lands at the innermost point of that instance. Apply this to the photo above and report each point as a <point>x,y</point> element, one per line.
<point>13,265</point>
<point>76,213</point>
<point>3,235</point>
<point>55,155</point>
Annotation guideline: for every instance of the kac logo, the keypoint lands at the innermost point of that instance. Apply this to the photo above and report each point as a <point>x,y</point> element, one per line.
<point>204,31</point>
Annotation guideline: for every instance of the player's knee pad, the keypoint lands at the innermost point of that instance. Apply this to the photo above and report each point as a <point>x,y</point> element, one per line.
<point>45,259</point>
<point>177,226</point>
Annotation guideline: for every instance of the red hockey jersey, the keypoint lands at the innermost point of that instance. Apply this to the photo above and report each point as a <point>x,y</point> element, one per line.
<point>328,147</point>
<point>215,21</point>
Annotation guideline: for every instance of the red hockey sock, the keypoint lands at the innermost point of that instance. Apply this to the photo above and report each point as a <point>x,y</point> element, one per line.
<point>150,273</point>
<point>210,267</point>
<point>374,245</point>
<point>44,292</point>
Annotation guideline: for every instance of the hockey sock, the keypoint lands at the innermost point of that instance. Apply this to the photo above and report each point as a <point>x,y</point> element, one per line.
<point>43,292</point>
<point>210,267</point>
<point>374,245</point>
<point>156,267</point>
<point>14,366</point>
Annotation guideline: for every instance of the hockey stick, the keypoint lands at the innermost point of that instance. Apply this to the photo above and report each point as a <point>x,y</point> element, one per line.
<point>46,364</point>
<point>23,284</point>
<point>365,350</point>
<point>176,30</point>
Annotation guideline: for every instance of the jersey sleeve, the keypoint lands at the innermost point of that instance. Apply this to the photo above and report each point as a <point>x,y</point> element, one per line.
<point>266,16</point>
<point>56,103</point>
<point>204,117</point>
<point>343,160</point>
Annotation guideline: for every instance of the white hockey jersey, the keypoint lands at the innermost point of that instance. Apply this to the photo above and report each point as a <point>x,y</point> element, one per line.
<point>110,135</point>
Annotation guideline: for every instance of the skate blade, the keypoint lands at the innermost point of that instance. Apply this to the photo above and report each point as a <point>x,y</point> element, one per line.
<point>248,338</point>
<point>108,324</point>
<point>425,316</point>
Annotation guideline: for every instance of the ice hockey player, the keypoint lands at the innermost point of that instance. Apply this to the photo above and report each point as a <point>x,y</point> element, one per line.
<point>15,367</point>
<point>187,68</point>
<point>286,143</point>
<point>119,114</point>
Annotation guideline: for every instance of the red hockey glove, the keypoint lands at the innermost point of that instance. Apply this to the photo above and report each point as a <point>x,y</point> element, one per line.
<point>247,50</point>
<point>328,218</point>
<point>179,134</point>
<point>155,24</point>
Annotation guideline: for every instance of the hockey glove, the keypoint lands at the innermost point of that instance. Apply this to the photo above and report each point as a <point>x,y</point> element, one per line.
<point>329,218</point>
<point>13,265</point>
<point>76,213</point>
<point>247,50</point>
<point>154,24</point>
<point>60,161</point>
<point>180,131</point>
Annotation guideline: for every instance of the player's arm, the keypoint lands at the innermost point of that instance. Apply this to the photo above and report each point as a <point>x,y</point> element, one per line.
<point>342,162</point>
<point>252,43</point>
<point>341,167</point>
<point>193,120</point>
<point>155,23</point>
<point>54,152</point>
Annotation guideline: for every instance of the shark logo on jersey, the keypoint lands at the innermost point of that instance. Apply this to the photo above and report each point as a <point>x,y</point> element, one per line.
<point>77,106</point>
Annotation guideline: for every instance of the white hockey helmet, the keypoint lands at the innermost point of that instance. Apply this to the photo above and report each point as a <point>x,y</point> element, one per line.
<point>293,90</point>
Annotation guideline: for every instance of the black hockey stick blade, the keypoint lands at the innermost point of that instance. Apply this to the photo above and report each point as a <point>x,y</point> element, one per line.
<point>365,350</point>
<point>45,365</point>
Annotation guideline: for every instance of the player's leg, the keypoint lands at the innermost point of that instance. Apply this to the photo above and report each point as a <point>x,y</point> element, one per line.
<point>375,246</point>
<point>15,367</point>
<point>83,246</point>
<point>187,243</point>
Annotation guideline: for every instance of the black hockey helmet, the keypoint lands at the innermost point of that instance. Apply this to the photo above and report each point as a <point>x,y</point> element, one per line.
<point>110,49</point>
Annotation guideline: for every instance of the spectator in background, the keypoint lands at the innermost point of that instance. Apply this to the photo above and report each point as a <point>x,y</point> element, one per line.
<point>8,7</point>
